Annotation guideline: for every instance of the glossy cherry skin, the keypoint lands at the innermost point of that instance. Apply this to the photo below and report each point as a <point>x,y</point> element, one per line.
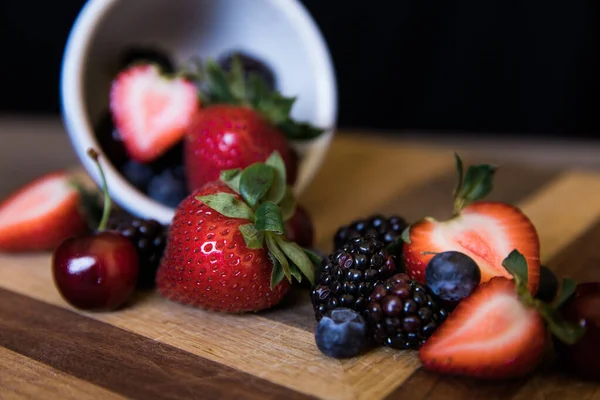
<point>583,358</point>
<point>300,228</point>
<point>97,272</point>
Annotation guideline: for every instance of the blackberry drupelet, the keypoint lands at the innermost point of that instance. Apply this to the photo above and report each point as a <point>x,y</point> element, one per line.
<point>386,230</point>
<point>347,277</point>
<point>149,239</point>
<point>402,313</point>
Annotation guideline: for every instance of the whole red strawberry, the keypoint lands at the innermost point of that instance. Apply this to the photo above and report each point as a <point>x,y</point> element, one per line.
<point>227,250</point>
<point>242,122</point>
<point>223,136</point>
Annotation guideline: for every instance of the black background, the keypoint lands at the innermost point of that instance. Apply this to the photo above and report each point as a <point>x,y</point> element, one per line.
<point>527,67</point>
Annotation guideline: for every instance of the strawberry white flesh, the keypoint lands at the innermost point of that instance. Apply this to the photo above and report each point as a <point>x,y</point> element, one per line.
<point>491,334</point>
<point>151,111</point>
<point>40,215</point>
<point>485,231</point>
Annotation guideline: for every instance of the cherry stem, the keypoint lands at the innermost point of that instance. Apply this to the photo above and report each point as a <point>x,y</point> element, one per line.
<point>93,154</point>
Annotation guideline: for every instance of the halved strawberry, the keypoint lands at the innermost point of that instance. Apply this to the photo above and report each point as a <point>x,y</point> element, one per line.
<point>498,332</point>
<point>150,110</point>
<point>40,215</point>
<point>484,230</point>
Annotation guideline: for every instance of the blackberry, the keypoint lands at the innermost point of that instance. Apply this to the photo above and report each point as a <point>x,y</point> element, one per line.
<point>402,313</point>
<point>386,230</point>
<point>148,237</point>
<point>347,277</point>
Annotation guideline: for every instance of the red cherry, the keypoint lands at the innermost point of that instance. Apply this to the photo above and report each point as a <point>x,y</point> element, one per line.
<point>584,307</point>
<point>97,271</point>
<point>300,229</point>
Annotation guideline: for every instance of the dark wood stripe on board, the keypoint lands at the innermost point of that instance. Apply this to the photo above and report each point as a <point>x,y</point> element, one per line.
<point>121,361</point>
<point>573,261</point>
<point>433,198</point>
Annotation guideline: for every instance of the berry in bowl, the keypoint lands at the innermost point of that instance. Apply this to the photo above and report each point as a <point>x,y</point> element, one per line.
<point>197,88</point>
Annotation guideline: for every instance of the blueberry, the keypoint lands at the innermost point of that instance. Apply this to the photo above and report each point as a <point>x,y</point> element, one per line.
<point>249,64</point>
<point>138,174</point>
<point>548,285</point>
<point>167,188</point>
<point>341,333</point>
<point>452,275</point>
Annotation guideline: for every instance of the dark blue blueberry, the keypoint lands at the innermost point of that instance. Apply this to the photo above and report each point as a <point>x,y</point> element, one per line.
<point>452,275</point>
<point>138,174</point>
<point>250,64</point>
<point>341,333</point>
<point>167,188</point>
<point>548,285</point>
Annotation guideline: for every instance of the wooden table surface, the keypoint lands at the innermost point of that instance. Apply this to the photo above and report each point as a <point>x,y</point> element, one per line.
<point>156,349</point>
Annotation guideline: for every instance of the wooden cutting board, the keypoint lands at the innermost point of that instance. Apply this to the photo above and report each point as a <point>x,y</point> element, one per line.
<point>156,349</point>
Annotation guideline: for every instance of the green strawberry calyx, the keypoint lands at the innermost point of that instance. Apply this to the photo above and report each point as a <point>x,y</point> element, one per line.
<point>232,87</point>
<point>264,198</point>
<point>473,185</point>
<point>568,332</point>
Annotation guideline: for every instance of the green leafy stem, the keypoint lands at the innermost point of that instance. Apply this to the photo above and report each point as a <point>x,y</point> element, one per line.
<point>473,185</point>
<point>232,87</point>
<point>566,331</point>
<point>264,199</point>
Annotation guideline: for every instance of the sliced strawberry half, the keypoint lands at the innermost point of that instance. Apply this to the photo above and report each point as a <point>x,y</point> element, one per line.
<point>486,231</point>
<point>40,215</point>
<point>500,331</point>
<point>150,110</point>
<point>491,334</point>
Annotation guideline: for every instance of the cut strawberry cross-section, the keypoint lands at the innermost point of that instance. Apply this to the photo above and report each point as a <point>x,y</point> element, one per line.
<point>150,110</point>
<point>484,230</point>
<point>41,215</point>
<point>498,332</point>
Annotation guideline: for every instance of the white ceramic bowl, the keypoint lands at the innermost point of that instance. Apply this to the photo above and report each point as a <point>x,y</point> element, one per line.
<point>280,32</point>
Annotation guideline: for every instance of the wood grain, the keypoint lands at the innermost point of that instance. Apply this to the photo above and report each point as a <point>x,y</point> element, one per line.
<point>273,352</point>
<point>576,223</point>
<point>551,381</point>
<point>24,378</point>
<point>121,361</point>
<point>358,179</point>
